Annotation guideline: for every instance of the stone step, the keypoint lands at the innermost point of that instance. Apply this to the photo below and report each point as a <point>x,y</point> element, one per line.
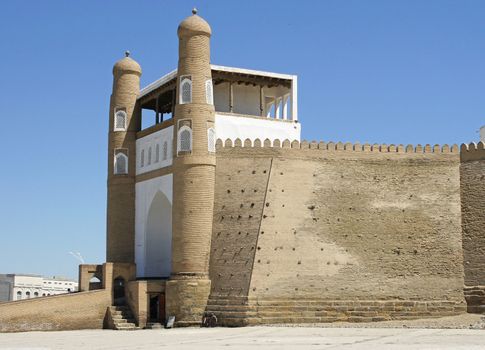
<point>154,325</point>
<point>128,327</point>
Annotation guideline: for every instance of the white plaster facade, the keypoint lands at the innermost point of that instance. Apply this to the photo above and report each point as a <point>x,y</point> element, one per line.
<point>256,112</point>
<point>153,227</point>
<point>231,126</point>
<point>18,287</point>
<point>154,151</point>
<point>482,134</point>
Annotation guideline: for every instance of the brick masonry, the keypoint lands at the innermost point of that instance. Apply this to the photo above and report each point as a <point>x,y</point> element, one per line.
<point>472,177</point>
<point>84,310</point>
<point>322,235</point>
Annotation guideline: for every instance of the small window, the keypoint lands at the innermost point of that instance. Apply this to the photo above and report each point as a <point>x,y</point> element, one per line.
<point>165,150</point>
<point>157,153</point>
<point>209,96</point>
<point>121,164</point>
<point>36,294</point>
<point>27,295</point>
<point>211,139</point>
<point>19,295</point>
<point>185,139</point>
<point>142,158</point>
<point>185,89</point>
<point>149,161</point>
<point>120,121</point>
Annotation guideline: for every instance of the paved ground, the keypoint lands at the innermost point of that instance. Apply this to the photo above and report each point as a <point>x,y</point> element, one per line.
<point>280,338</point>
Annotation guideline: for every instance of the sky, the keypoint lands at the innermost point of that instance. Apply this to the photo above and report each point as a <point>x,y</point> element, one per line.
<point>370,71</point>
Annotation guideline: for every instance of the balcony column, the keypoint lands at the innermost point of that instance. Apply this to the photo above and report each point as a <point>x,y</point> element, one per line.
<point>277,108</point>
<point>261,100</point>
<point>285,107</point>
<point>231,97</point>
<point>157,113</point>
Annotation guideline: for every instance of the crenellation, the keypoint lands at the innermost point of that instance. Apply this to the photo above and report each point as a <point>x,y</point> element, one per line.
<point>472,152</point>
<point>348,146</point>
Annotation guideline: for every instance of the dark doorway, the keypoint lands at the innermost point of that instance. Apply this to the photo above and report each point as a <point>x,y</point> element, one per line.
<point>119,291</point>
<point>154,308</point>
<point>157,308</point>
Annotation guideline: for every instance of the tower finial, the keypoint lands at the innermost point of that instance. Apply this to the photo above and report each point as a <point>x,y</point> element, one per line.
<point>194,11</point>
<point>127,53</point>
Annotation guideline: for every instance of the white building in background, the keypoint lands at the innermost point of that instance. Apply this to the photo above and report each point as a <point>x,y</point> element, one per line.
<point>26,286</point>
<point>482,134</point>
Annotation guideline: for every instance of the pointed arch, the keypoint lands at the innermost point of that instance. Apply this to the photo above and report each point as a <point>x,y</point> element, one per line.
<point>184,139</point>
<point>165,150</point>
<point>158,237</point>
<point>157,153</point>
<point>121,164</point>
<point>211,140</point>
<point>209,94</point>
<point>120,121</point>
<point>185,89</point>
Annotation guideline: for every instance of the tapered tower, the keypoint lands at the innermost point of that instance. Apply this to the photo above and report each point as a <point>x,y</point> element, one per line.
<point>123,125</point>
<point>194,164</point>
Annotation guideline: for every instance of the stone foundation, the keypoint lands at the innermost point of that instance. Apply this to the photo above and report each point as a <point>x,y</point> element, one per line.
<point>186,299</point>
<point>237,312</point>
<point>475,299</point>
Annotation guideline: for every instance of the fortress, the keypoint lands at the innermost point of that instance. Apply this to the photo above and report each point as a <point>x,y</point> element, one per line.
<point>219,212</point>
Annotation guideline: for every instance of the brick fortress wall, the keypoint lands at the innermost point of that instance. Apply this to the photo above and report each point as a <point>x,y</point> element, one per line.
<point>472,176</point>
<point>84,310</point>
<point>324,232</point>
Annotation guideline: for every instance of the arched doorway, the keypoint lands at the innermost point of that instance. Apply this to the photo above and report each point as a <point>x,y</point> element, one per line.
<point>158,237</point>
<point>119,291</point>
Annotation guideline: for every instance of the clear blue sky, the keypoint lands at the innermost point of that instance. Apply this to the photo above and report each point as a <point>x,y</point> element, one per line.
<point>376,71</point>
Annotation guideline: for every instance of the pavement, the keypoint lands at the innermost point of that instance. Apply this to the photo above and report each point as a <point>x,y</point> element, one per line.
<point>280,338</point>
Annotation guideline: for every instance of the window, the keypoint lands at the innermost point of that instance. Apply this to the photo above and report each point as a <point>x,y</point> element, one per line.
<point>185,89</point>
<point>36,294</point>
<point>157,153</point>
<point>165,150</point>
<point>121,164</point>
<point>185,139</point>
<point>209,96</point>
<point>19,295</point>
<point>211,139</point>
<point>27,294</point>
<point>149,161</point>
<point>120,121</point>
<point>142,158</point>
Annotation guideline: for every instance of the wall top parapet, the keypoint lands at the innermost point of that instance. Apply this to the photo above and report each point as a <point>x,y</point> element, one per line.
<point>340,146</point>
<point>472,151</point>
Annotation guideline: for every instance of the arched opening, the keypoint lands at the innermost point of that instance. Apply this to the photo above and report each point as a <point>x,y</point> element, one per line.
<point>94,283</point>
<point>121,164</point>
<point>119,291</point>
<point>185,139</point>
<point>158,237</point>
<point>185,89</point>
<point>120,121</point>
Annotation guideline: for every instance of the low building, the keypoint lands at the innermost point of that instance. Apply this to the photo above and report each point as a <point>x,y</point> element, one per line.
<point>27,286</point>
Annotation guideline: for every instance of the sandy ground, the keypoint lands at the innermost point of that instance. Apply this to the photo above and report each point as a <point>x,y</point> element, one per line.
<point>375,336</point>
